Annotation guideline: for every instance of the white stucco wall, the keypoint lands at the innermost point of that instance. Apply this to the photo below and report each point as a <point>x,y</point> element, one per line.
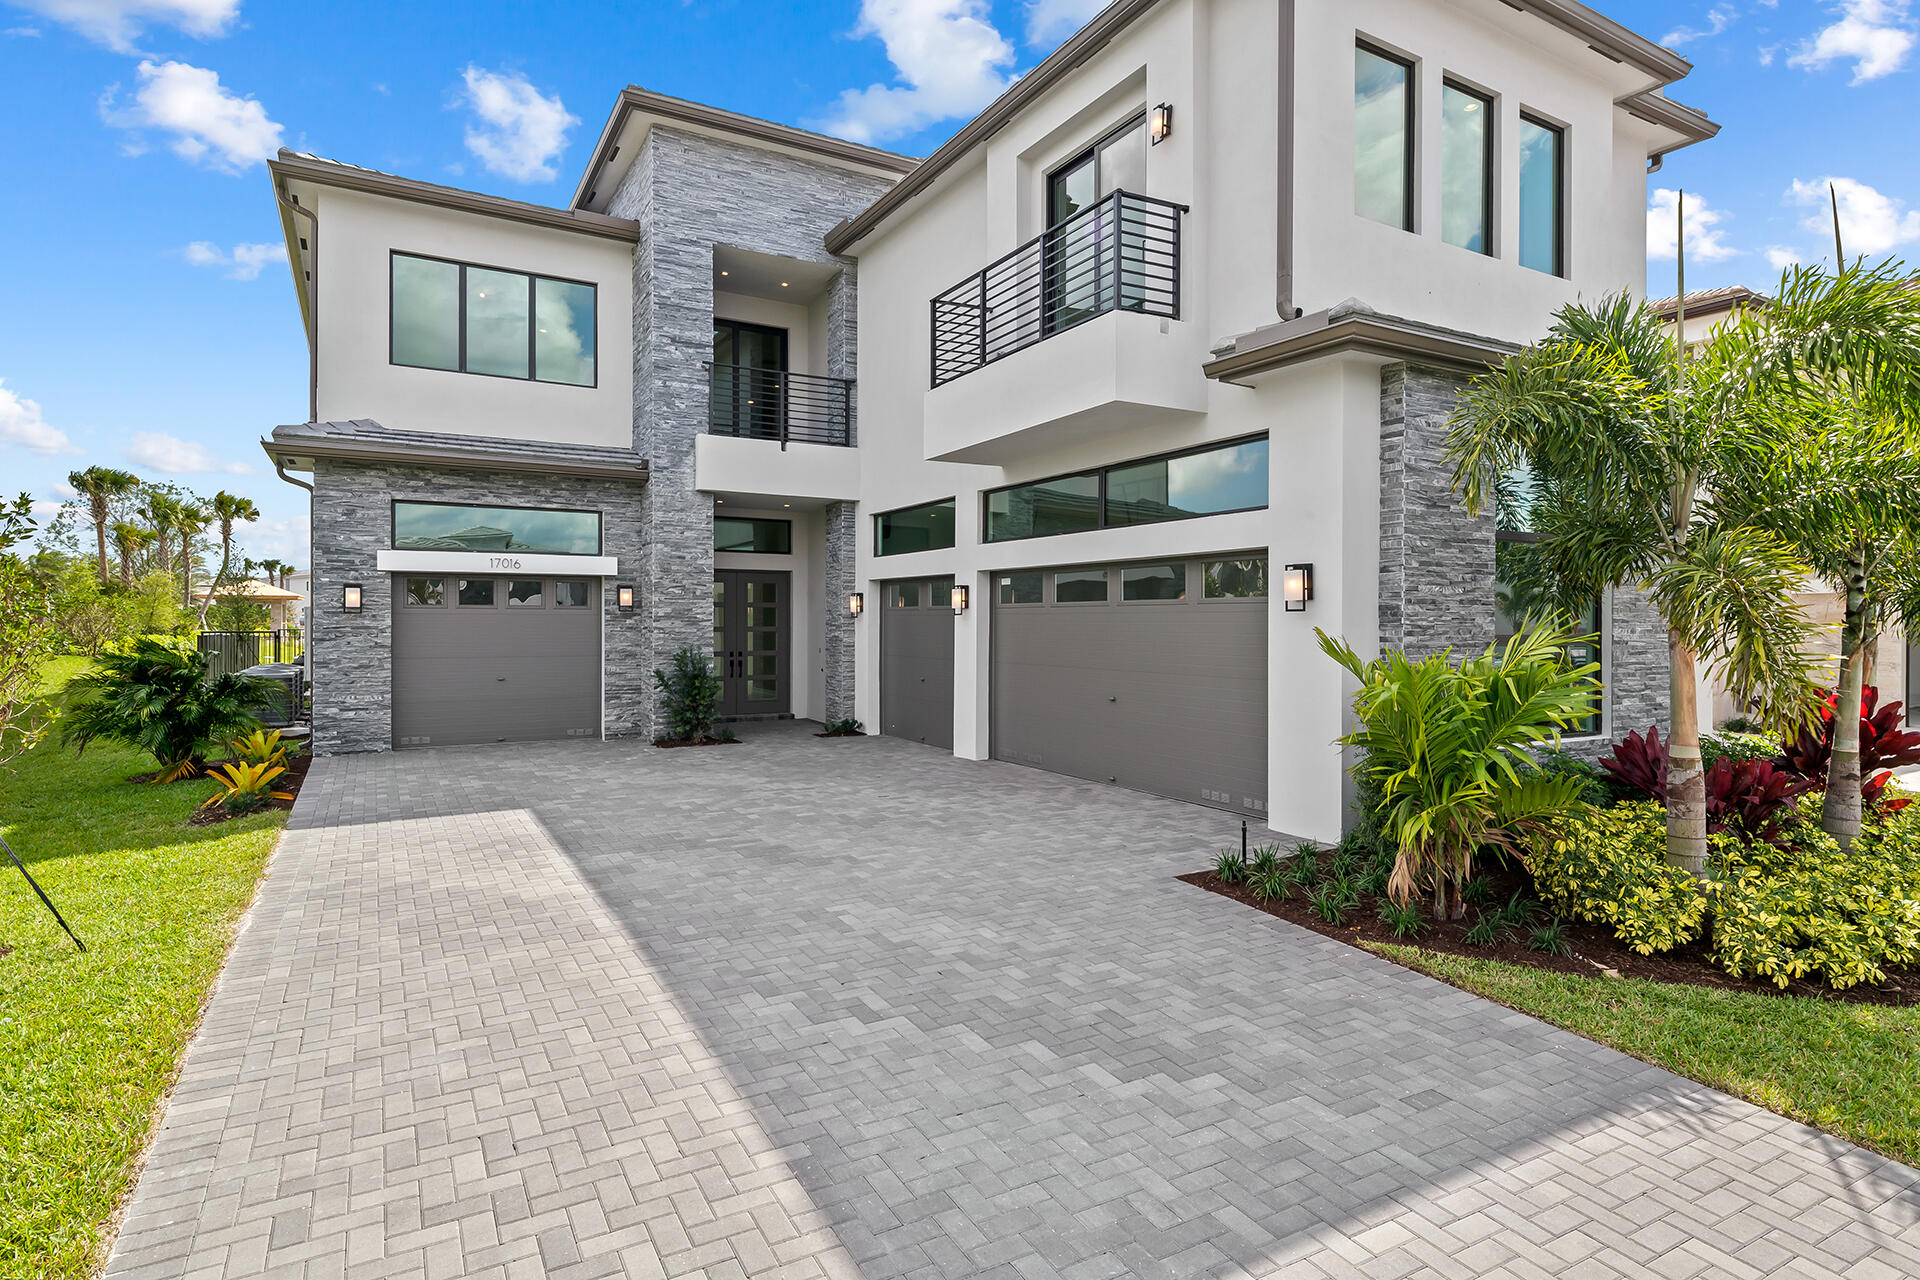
<point>358,232</point>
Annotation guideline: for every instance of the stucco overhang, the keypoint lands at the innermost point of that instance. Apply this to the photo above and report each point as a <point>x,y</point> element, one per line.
<point>296,447</point>
<point>1354,327</point>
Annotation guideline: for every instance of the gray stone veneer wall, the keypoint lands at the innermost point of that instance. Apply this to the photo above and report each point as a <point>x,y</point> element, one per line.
<point>1436,561</point>
<point>842,527</point>
<point>688,193</point>
<point>353,652</point>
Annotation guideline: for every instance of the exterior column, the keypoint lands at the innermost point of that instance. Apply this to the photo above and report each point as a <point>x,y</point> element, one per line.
<point>837,630</point>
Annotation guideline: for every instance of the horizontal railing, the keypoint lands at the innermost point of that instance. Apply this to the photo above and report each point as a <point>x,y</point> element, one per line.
<point>772,404</point>
<point>1122,254</point>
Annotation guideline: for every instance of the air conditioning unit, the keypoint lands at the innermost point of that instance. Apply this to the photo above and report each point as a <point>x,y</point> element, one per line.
<point>278,713</point>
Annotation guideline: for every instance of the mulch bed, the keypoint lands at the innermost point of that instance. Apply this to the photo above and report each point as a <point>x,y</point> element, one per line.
<point>1595,950</point>
<point>288,782</point>
<point>697,742</point>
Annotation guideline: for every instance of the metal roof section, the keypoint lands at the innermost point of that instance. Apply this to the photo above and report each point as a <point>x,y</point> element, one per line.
<point>296,446</point>
<point>1353,326</point>
<point>301,166</point>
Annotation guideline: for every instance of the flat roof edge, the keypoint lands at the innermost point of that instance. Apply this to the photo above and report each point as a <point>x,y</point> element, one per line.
<point>1370,334</point>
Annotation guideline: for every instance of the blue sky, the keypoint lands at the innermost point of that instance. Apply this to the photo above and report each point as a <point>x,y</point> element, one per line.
<point>147,319</point>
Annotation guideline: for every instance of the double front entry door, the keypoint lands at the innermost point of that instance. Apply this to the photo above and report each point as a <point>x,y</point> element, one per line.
<point>750,629</point>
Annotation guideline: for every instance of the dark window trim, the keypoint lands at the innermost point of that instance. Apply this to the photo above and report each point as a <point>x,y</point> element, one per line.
<point>1091,150</point>
<point>1602,646</point>
<point>1408,202</point>
<point>878,516</point>
<point>1051,589</point>
<point>599,522</point>
<point>532,319</point>
<point>1240,601</point>
<point>756,520</point>
<point>1559,132</point>
<point>1488,177</point>
<point>786,338</point>
<point>1101,471</point>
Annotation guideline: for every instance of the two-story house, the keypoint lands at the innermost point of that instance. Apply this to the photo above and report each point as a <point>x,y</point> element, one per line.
<point>1154,359</point>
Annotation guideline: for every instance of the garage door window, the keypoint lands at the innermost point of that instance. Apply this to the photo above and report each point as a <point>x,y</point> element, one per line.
<point>1080,586</point>
<point>903,595</point>
<point>426,592</point>
<point>524,595</point>
<point>569,595</point>
<point>1154,582</point>
<point>1237,579</point>
<point>1022,588</point>
<point>476,593</point>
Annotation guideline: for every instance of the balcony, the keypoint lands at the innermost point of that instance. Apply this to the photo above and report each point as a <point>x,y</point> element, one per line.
<point>1100,292</point>
<point>772,404</point>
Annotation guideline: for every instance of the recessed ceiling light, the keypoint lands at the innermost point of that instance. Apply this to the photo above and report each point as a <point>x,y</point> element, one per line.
<point>723,273</point>
<point>783,284</point>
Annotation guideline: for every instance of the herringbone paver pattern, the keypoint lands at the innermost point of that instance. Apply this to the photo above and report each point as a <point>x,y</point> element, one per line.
<point>854,1008</point>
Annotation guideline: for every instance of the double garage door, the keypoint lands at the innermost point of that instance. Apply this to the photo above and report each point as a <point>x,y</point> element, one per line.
<point>1150,676</point>
<point>494,659</point>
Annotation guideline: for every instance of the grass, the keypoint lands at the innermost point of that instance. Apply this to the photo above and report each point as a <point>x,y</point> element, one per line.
<point>89,1043</point>
<point>1850,1069</point>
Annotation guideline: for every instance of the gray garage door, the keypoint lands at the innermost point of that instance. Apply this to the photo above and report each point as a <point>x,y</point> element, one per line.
<point>494,659</point>
<point>916,661</point>
<point>1151,676</point>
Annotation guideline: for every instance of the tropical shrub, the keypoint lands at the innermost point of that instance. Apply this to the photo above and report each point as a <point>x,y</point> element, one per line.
<point>1639,764</point>
<point>1229,868</point>
<point>1405,919</point>
<point>1271,885</point>
<point>158,698</point>
<point>1550,938</point>
<point>27,635</point>
<point>1609,867</point>
<point>262,746</point>
<point>689,696</point>
<point>1737,747</point>
<point>1594,789</point>
<point>847,728</point>
<point>1747,798</point>
<point>1885,744</point>
<point>1265,858</point>
<point>245,787</point>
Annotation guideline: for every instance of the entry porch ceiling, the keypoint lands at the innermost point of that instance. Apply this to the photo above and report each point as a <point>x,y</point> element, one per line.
<point>766,275</point>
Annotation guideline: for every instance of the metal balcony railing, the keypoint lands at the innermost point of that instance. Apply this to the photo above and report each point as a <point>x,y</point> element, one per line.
<point>772,404</point>
<point>1122,254</point>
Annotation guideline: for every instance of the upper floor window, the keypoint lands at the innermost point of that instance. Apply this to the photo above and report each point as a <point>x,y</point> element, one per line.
<point>1213,480</point>
<point>1466,168</point>
<point>1542,196</point>
<point>928,528</point>
<point>459,526</point>
<point>469,319</point>
<point>1382,137</point>
<point>1118,162</point>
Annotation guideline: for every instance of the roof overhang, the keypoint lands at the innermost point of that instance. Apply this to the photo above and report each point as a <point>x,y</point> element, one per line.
<point>297,447</point>
<point>1352,328</point>
<point>294,167</point>
<point>1689,125</point>
<point>638,110</point>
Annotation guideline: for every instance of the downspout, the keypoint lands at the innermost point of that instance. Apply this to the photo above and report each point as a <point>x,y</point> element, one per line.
<point>1283,202</point>
<point>310,285</point>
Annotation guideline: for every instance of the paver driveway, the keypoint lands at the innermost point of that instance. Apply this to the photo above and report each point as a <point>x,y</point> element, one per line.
<point>856,1008</point>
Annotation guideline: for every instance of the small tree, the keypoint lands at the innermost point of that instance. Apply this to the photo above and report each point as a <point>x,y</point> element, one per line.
<point>690,696</point>
<point>226,509</point>
<point>1451,750</point>
<point>159,698</point>
<point>27,635</point>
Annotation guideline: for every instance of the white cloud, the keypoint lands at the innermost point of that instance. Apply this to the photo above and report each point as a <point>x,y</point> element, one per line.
<point>1780,257</point>
<point>1719,18</point>
<point>23,33</point>
<point>521,131</point>
<point>949,56</point>
<point>242,262</point>
<point>1874,35</point>
<point>1870,223</point>
<point>1051,20</point>
<point>64,489</point>
<point>1706,238</point>
<point>282,539</point>
<point>210,124</point>
<point>118,23</point>
<point>174,456</point>
<point>21,424</point>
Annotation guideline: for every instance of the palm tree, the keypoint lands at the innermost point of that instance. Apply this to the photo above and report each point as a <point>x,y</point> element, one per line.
<point>188,521</point>
<point>273,569</point>
<point>128,539</point>
<point>100,486</point>
<point>226,508</point>
<point>159,509</point>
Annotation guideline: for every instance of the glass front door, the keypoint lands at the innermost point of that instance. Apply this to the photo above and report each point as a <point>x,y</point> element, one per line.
<point>1081,260</point>
<point>750,628</point>
<point>749,379</point>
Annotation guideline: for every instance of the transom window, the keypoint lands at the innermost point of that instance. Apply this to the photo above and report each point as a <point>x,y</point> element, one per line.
<point>739,533</point>
<point>1213,480</point>
<point>505,324</point>
<point>928,528</point>
<point>455,526</point>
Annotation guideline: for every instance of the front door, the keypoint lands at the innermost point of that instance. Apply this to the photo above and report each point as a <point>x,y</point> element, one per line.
<point>749,380</point>
<point>750,629</point>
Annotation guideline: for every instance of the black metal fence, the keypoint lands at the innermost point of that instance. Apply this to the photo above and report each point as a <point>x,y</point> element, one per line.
<point>1122,254</point>
<point>772,404</point>
<point>229,651</point>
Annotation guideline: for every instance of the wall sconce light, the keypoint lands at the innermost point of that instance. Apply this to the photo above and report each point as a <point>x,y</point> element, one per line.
<point>855,603</point>
<point>623,595</point>
<point>1160,123</point>
<point>1297,586</point>
<point>959,601</point>
<point>351,597</point>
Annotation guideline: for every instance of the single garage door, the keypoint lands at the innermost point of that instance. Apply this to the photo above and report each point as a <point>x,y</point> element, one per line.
<point>494,659</point>
<point>1151,676</point>
<point>916,661</point>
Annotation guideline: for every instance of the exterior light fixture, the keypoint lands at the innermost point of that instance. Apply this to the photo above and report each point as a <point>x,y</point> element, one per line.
<point>959,601</point>
<point>1297,586</point>
<point>1160,123</point>
<point>623,594</point>
<point>855,603</point>
<point>351,597</point>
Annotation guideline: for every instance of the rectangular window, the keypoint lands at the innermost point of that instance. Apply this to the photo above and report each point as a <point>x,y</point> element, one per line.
<point>1154,582</point>
<point>1466,168</point>
<point>436,526</point>
<point>506,324</point>
<point>1382,136</point>
<point>903,595</point>
<point>476,592</point>
<point>570,595</point>
<point>1520,585</point>
<point>1233,478</point>
<point>525,594</point>
<point>1236,579</point>
<point>1069,504</point>
<point>767,537</point>
<point>426,591</point>
<point>1080,586</point>
<point>1542,196</point>
<point>1022,588</point>
<point>927,528</point>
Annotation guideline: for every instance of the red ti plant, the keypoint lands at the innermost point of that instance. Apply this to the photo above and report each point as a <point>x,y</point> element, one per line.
<point>1640,763</point>
<point>1749,798</point>
<point>1885,745</point>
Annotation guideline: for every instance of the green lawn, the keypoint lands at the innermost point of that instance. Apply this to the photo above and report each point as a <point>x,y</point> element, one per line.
<point>89,1043</point>
<point>1851,1069</point>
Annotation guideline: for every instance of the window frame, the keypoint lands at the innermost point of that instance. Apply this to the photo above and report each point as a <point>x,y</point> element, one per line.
<point>878,516</point>
<point>1559,132</point>
<point>1091,151</point>
<point>599,523</point>
<point>1102,472</point>
<point>533,314</point>
<point>1489,178</point>
<point>768,520</point>
<point>1050,591</point>
<point>1259,601</point>
<point>1409,200</point>
<point>1603,617</point>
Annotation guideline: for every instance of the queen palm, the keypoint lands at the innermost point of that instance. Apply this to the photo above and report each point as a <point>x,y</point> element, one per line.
<point>226,508</point>
<point>100,486</point>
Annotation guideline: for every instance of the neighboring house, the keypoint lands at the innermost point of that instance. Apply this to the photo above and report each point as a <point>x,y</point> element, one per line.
<point>282,605</point>
<point>300,584</point>
<point>1895,664</point>
<point>1155,358</point>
